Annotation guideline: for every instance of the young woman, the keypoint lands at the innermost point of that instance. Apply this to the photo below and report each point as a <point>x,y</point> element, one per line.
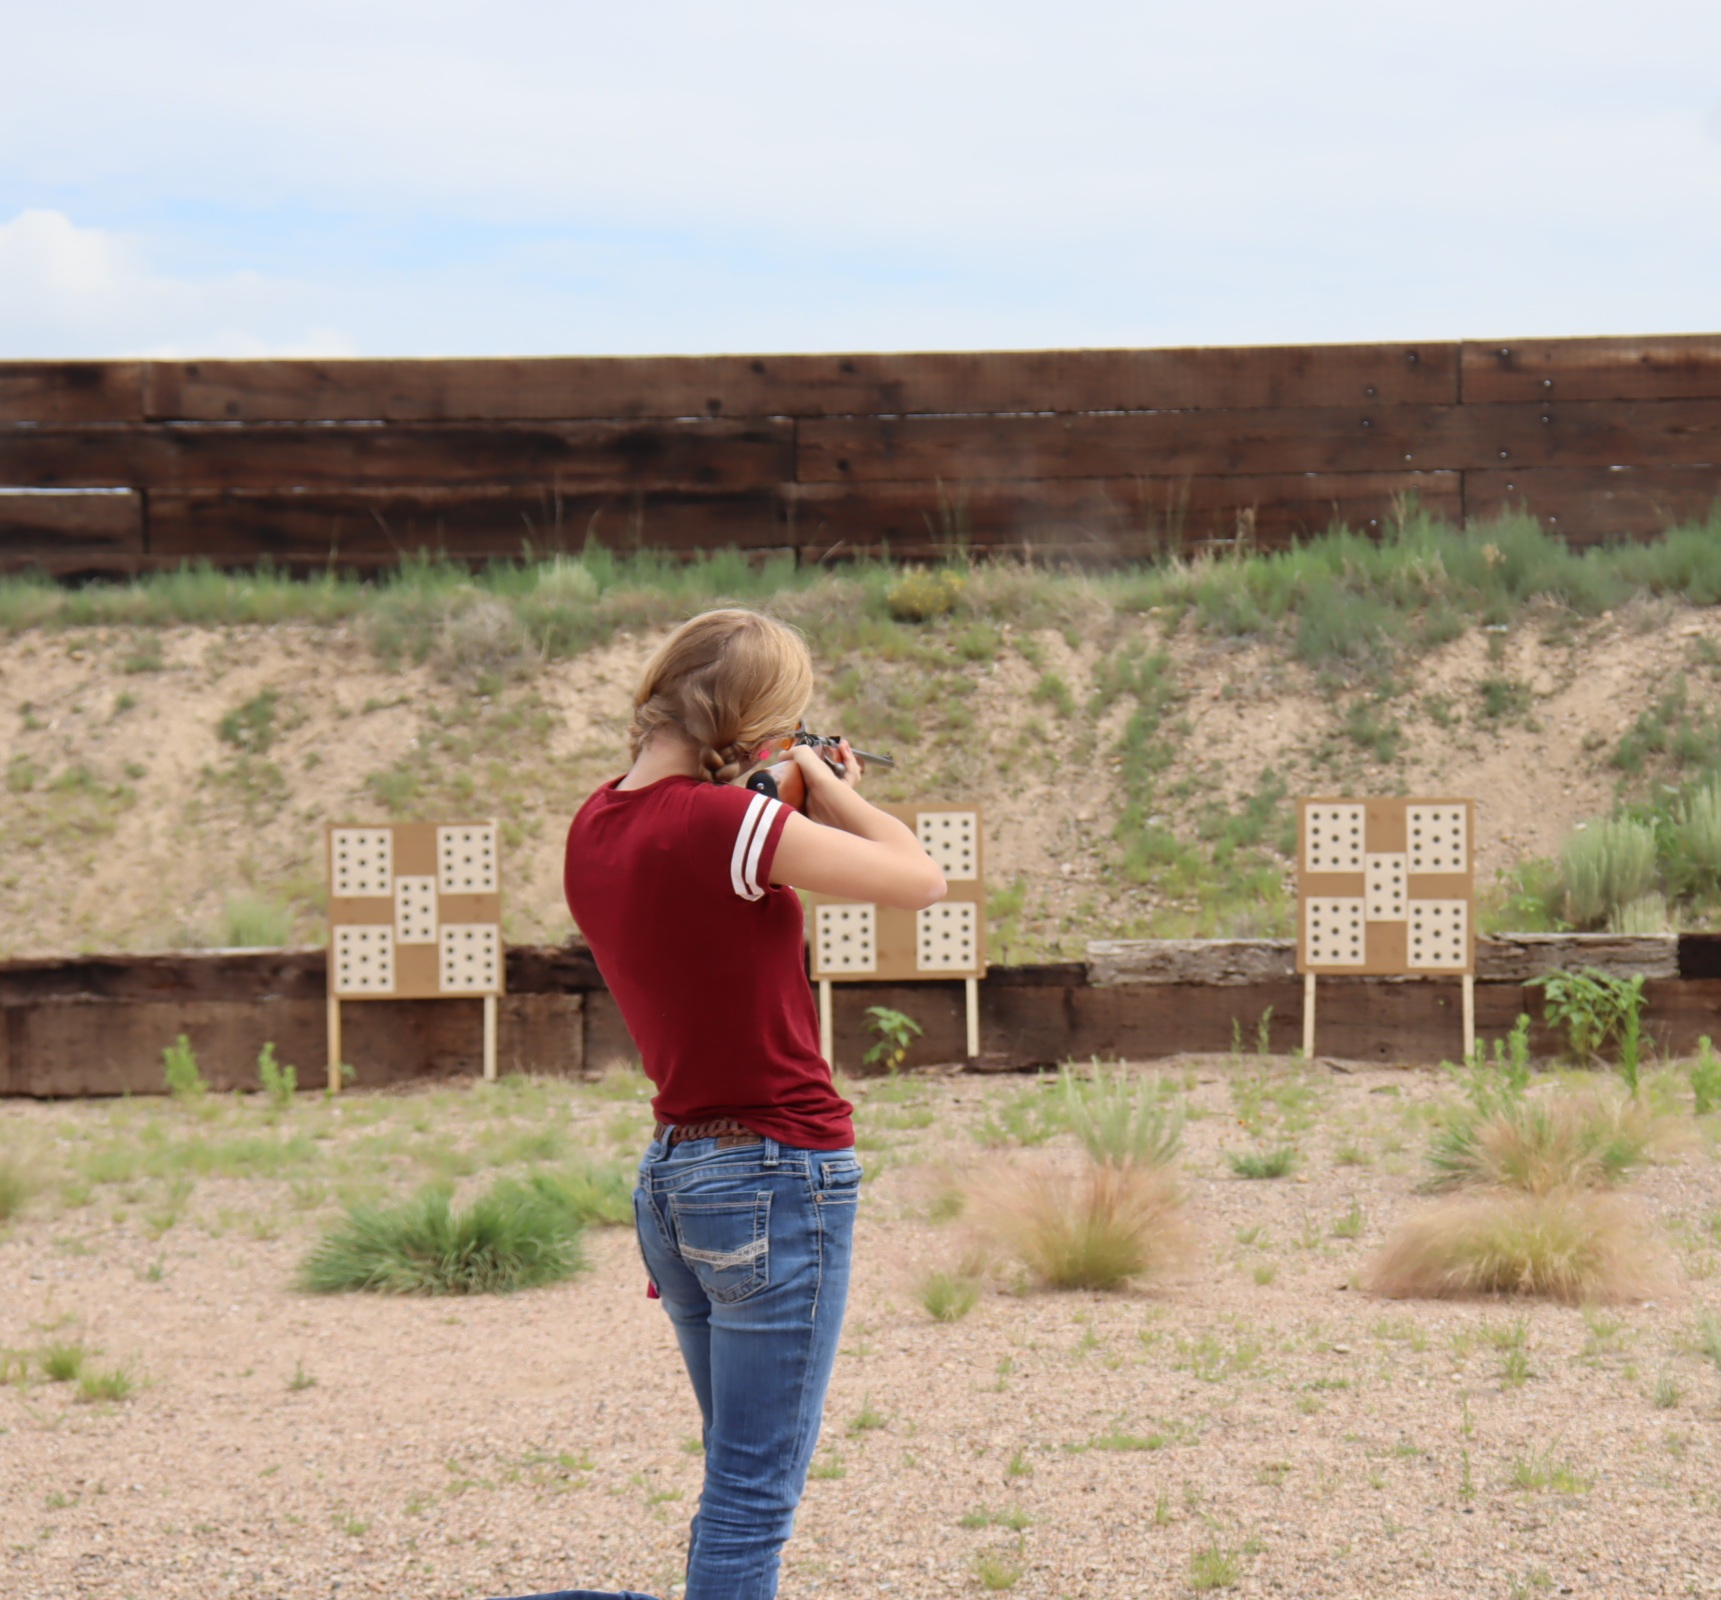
<point>683,885</point>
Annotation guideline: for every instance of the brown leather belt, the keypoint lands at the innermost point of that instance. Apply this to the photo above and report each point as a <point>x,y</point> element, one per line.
<point>725,1130</point>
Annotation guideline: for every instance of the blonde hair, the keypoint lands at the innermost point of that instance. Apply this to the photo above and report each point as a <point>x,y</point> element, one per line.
<point>729,680</point>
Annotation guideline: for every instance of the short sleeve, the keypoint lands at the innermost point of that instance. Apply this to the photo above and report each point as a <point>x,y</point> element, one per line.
<point>738,831</point>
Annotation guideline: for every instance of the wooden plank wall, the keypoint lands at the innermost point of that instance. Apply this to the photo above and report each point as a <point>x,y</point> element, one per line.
<point>117,467</point>
<point>96,1025</point>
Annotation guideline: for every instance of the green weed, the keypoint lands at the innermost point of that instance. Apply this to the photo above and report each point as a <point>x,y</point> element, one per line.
<point>280,1083</point>
<point>948,1296</point>
<point>179,1064</point>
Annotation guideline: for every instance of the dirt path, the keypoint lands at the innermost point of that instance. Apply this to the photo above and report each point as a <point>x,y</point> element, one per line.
<point>1257,1412</point>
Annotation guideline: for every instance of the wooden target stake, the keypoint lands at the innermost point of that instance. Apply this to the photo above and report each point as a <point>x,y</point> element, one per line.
<point>334,1044</point>
<point>826,1030</point>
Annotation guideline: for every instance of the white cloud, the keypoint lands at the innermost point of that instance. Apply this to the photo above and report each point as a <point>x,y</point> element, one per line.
<point>69,291</point>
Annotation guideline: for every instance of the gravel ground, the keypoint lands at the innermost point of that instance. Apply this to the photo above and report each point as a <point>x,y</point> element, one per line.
<point>1255,1421</point>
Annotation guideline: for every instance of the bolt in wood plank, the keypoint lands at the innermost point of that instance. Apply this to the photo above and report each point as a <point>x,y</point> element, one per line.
<point>1665,367</point>
<point>1585,505</point>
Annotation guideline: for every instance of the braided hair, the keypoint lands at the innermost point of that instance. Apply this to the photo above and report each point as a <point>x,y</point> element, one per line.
<point>729,680</point>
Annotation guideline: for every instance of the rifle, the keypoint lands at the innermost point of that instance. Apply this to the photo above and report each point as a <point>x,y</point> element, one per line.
<point>783,781</point>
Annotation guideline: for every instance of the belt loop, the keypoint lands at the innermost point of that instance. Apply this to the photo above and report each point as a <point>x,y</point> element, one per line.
<point>770,1152</point>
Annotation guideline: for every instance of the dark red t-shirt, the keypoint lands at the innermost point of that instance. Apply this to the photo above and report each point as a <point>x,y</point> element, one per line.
<point>671,886</point>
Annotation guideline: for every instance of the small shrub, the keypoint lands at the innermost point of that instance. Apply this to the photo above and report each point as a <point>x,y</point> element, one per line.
<point>1096,1229</point>
<point>514,1237</point>
<point>921,595</point>
<point>894,1032</point>
<point>1696,838</point>
<point>1279,1163</point>
<point>280,1083</point>
<point>1568,1245</point>
<point>948,1296</point>
<point>1705,1079</point>
<point>179,1064</point>
<point>482,642</point>
<point>1121,1119</point>
<point>1607,865</point>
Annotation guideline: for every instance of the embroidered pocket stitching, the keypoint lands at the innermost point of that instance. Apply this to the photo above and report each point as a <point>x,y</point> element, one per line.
<point>727,1258</point>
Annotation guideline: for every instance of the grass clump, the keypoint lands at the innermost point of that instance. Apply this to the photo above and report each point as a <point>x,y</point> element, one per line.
<point>1214,1567</point>
<point>949,1296</point>
<point>1277,1163</point>
<point>1100,1228</point>
<point>116,1384</point>
<point>1567,1245</point>
<point>1121,1119</point>
<point>516,1236</point>
<point>63,1361</point>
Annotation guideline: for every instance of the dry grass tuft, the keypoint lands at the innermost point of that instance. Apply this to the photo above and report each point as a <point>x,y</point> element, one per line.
<point>1097,1228</point>
<point>1589,1139</point>
<point>1570,1245</point>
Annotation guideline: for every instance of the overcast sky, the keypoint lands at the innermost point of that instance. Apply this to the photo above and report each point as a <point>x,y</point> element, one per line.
<point>368,177</point>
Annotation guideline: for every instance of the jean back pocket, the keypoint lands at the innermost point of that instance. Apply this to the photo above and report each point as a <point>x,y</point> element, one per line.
<point>725,1242</point>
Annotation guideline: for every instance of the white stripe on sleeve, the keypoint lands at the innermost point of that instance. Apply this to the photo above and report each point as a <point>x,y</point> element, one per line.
<point>757,849</point>
<point>755,824</point>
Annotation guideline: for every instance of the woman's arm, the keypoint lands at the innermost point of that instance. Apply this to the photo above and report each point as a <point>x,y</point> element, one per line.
<point>846,847</point>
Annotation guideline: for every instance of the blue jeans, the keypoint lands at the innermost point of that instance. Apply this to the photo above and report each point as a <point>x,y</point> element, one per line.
<point>749,1248</point>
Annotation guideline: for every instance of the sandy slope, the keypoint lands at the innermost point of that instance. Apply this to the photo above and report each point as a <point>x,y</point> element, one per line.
<point>128,821</point>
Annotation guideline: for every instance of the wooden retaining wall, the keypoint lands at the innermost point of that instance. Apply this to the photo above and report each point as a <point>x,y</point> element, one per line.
<point>96,1025</point>
<point>120,467</point>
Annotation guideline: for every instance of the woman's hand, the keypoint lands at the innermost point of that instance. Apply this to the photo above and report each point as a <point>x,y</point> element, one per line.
<point>822,783</point>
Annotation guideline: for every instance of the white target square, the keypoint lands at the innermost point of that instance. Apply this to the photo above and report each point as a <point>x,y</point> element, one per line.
<point>1384,886</point>
<point>845,938</point>
<point>470,958</point>
<point>952,839</point>
<point>361,862</point>
<point>1439,935</point>
<point>363,959</point>
<point>1333,838</point>
<point>1334,934</point>
<point>1439,838</point>
<point>946,937</point>
<point>466,859</point>
<point>415,910</point>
